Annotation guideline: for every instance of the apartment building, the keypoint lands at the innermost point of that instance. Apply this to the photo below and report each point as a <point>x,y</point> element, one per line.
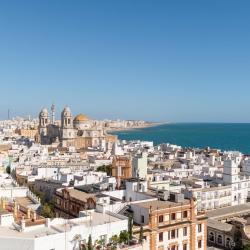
<point>69,202</point>
<point>171,225</point>
<point>210,197</point>
<point>121,168</point>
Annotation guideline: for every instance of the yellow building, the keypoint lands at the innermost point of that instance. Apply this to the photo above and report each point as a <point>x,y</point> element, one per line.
<point>80,132</point>
<point>29,133</point>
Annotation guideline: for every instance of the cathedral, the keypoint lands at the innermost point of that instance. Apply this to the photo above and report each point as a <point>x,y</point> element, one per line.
<point>80,132</point>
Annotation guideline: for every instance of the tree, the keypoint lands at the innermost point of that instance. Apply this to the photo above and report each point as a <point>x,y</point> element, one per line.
<point>124,237</point>
<point>247,247</point>
<point>90,245</point>
<point>141,235</point>
<point>40,195</point>
<point>8,170</point>
<point>130,227</point>
<point>238,240</point>
<point>47,211</point>
<point>114,239</point>
<point>105,168</point>
<point>101,243</point>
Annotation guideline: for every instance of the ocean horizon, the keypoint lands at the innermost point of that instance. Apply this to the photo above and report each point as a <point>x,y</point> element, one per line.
<point>224,136</point>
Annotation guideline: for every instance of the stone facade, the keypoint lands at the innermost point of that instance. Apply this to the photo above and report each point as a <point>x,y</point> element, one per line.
<point>80,132</point>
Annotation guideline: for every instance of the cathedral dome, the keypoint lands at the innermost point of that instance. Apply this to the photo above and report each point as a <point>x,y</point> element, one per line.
<point>81,118</point>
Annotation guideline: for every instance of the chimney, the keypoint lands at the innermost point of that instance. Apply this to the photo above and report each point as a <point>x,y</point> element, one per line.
<point>28,213</point>
<point>3,203</point>
<point>34,216</point>
<point>22,224</point>
<point>47,222</point>
<point>15,209</point>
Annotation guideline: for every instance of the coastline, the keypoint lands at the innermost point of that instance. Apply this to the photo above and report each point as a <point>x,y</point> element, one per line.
<point>223,136</point>
<point>148,125</point>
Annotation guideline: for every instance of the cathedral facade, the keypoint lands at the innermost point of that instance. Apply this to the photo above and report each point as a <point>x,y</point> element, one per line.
<point>79,131</point>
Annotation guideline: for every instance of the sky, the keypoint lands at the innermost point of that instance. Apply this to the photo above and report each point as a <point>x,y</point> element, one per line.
<point>177,61</point>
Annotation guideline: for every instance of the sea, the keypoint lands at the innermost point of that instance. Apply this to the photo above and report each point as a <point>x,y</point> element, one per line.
<point>224,136</point>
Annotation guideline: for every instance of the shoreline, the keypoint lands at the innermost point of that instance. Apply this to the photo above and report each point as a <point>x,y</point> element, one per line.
<point>149,125</point>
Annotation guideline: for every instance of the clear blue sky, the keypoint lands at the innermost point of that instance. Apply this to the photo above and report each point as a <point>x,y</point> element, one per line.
<point>152,60</point>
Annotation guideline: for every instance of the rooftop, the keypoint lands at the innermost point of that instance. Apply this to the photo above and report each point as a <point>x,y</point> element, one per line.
<point>229,211</point>
<point>79,195</point>
<point>59,225</point>
<point>156,205</point>
<point>226,227</point>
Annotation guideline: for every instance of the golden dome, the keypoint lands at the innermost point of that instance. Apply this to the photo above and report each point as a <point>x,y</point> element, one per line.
<point>81,118</point>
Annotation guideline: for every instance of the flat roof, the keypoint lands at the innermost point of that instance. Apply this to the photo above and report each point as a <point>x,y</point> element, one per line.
<point>94,219</point>
<point>229,211</point>
<point>157,204</point>
<point>79,195</point>
<point>226,227</point>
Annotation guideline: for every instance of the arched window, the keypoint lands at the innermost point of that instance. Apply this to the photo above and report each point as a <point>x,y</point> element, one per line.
<point>211,236</point>
<point>219,239</point>
<point>228,242</point>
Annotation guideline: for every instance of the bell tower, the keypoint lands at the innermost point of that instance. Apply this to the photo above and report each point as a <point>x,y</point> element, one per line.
<point>67,129</point>
<point>43,121</point>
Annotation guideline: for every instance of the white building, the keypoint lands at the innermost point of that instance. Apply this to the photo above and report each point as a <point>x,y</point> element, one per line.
<point>58,234</point>
<point>140,166</point>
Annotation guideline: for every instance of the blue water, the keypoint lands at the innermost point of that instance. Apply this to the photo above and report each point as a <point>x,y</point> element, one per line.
<point>225,136</point>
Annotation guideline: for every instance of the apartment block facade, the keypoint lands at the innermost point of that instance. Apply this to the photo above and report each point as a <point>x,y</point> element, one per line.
<point>169,225</point>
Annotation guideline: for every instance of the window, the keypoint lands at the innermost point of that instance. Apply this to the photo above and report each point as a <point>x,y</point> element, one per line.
<point>184,246</point>
<point>185,231</point>
<point>161,236</point>
<point>199,243</point>
<point>185,214</point>
<point>172,234</point>
<point>160,219</point>
<point>173,248</point>
<point>199,228</point>
<point>142,218</point>
<point>211,237</point>
<point>228,244</point>
<point>219,239</point>
<point>173,216</point>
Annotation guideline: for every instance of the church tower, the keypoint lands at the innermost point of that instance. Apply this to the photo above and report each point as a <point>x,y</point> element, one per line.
<point>43,123</point>
<point>67,129</point>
